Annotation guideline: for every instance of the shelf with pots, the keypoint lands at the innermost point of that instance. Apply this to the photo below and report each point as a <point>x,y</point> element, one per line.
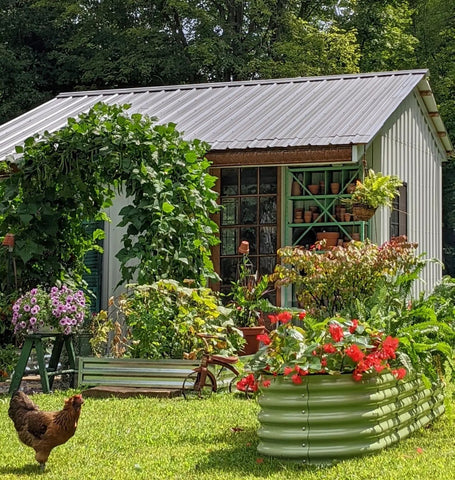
<point>315,204</point>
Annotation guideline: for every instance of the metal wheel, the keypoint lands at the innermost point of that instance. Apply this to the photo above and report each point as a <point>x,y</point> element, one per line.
<point>191,387</point>
<point>233,384</point>
<point>247,393</point>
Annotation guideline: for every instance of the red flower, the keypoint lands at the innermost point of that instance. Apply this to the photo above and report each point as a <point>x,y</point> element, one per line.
<point>353,327</point>
<point>297,379</point>
<point>354,352</point>
<point>284,317</point>
<point>389,346</point>
<point>248,382</point>
<point>288,370</point>
<point>323,362</point>
<point>300,371</point>
<point>266,383</point>
<point>264,338</point>
<point>273,319</point>
<point>302,314</point>
<point>399,373</point>
<point>336,332</point>
<point>357,376</point>
<point>329,348</point>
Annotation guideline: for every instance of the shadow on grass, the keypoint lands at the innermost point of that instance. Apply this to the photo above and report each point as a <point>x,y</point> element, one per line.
<point>25,470</point>
<point>245,460</point>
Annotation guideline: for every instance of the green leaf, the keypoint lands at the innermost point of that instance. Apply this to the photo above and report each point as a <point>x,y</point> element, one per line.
<point>167,207</point>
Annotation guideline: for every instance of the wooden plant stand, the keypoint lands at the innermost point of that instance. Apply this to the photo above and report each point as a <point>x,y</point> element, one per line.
<point>46,374</point>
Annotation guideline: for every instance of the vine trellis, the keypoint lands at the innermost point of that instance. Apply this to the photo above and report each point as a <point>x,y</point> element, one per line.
<point>64,179</point>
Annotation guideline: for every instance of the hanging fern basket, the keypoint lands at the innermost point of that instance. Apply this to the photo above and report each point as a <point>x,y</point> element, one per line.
<point>362,212</point>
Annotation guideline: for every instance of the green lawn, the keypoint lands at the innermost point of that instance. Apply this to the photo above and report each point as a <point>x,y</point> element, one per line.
<point>210,439</point>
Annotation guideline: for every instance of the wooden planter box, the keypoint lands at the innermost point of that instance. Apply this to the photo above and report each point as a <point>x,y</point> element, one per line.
<point>141,373</point>
<point>330,418</point>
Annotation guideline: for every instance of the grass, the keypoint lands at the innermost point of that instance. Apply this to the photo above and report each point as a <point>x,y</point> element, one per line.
<point>211,439</point>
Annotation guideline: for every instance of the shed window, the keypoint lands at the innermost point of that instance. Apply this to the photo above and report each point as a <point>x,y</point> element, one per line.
<point>399,215</point>
<point>249,199</point>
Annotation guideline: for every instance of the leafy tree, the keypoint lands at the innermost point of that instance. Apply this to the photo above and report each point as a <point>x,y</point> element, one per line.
<point>384,33</point>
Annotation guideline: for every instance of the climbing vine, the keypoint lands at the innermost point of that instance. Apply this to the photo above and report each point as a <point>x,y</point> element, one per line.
<point>68,178</point>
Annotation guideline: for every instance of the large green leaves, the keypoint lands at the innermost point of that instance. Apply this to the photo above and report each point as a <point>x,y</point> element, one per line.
<point>66,178</point>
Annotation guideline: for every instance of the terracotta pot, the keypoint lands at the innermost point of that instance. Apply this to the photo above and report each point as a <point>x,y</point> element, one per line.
<point>347,217</point>
<point>8,241</point>
<point>296,189</point>
<point>314,189</point>
<point>335,187</point>
<point>250,335</point>
<point>308,216</point>
<point>244,248</point>
<point>298,215</point>
<point>331,238</point>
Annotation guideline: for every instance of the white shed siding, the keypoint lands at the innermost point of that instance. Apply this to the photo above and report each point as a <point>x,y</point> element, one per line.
<point>409,150</point>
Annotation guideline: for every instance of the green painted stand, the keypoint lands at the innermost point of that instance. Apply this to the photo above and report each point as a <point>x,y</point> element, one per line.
<point>46,374</point>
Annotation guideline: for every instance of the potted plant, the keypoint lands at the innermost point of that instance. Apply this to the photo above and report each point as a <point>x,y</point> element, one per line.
<point>249,304</point>
<point>62,310</point>
<point>376,190</point>
<point>334,389</point>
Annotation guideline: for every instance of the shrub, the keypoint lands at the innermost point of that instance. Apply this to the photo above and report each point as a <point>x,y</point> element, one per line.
<point>334,281</point>
<point>163,318</point>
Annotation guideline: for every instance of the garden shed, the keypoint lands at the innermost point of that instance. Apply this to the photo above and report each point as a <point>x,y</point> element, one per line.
<point>270,140</point>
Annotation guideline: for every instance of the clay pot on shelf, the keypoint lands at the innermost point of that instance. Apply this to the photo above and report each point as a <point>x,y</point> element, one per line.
<point>308,216</point>
<point>341,214</point>
<point>314,189</point>
<point>313,208</point>
<point>322,187</point>
<point>296,189</point>
<point>335,188</point>
<point>355,236</point>
<point>316,217</point>
<point>298,215</point>
<point>347,217</point>
<point>331,238</point>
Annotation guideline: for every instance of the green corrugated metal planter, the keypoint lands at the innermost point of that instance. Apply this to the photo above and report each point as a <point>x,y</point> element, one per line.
<point>329,418</point>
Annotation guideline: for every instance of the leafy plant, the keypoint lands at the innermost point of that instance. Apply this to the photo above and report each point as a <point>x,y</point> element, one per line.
<point>376,190</point>
<point>67,178</point>
<point>332,346</point>
<point>164,317</point>
<point>247,299</point>
<point>9,356</point>
<point>424,326</point>
<point>336,281</point>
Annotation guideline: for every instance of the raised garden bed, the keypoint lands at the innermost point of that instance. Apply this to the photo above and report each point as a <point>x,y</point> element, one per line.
<point>331,417</point>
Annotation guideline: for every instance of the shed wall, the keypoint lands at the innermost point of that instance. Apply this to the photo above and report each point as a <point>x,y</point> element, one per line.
<point>407,147</point>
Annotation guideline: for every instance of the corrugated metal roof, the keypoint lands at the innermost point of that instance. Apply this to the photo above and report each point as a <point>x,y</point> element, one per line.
<point>295,112</point>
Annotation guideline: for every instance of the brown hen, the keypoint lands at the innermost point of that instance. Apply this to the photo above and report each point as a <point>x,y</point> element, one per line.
<point>44,430</point>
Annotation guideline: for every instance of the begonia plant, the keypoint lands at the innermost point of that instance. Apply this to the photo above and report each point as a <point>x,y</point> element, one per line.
<point>331,347</point>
